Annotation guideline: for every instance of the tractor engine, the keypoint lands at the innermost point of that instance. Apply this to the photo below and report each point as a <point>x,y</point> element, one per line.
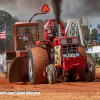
<point>66,52</point>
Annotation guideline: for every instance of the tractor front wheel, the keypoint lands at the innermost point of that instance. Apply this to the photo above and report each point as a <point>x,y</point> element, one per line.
<point>52,74</point>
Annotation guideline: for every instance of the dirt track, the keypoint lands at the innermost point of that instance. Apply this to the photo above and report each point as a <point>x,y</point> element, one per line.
<point>59,91</point>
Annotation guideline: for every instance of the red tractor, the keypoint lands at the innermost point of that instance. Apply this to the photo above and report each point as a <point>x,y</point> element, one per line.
<point>65,56</point>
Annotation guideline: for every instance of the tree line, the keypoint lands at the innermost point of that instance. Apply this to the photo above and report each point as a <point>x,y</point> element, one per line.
<point>7,18</point>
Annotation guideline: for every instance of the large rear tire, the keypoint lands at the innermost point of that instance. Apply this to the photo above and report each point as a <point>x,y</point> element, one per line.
<point>87,74</point>
<point>91,66</point>
<point>37,63</point>
<point>82,52</point>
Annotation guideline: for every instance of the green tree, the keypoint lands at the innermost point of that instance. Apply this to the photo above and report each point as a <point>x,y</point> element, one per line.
<point>94,33</point>
<point>86,31</point>
<point>5,17</point>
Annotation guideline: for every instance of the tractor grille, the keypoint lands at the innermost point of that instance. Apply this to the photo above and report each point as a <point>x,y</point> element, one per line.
<point>69,49</point>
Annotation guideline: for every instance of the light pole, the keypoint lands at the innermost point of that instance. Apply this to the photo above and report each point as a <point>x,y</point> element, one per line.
<point>87,23</point>
<point>80,18</point>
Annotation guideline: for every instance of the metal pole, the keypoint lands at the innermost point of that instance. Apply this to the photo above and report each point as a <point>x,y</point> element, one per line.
<point>98,34</point>
<point>98,39</point>
<point>5,37</point>
<point>87,23</point>
<point>5,47</point>
<point>30,22</point>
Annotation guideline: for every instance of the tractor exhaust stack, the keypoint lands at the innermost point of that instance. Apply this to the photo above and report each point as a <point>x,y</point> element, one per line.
<point>58,31</point>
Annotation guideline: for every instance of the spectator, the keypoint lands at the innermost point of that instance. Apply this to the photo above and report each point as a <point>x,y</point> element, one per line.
<point>1,68</point>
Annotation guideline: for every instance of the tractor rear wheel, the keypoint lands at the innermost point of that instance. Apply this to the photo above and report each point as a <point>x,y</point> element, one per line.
<point>90,70</point>
<point>82,52</point>
<point>37,63</point>
<point>87,74</point>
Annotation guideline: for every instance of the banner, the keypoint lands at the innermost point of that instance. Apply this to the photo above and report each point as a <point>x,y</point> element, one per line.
<point>90,28</point>
<point>2,31</point>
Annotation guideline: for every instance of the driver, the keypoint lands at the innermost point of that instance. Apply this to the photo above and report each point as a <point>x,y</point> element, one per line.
<point>53,35</point>
<point>26,34</point>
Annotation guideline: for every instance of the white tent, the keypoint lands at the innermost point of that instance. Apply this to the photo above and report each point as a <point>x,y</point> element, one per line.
<point>94,49</point>
<point>1,59</point>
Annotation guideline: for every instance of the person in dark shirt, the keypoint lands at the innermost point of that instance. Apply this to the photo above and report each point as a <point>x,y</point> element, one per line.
<point>26,35</point>
<point>54,33</point>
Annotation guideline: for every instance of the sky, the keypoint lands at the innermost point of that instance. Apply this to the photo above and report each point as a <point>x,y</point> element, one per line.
<point>71,9</point>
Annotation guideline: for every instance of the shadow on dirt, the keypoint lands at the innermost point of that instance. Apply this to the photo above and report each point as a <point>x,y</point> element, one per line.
<point>97,80</point>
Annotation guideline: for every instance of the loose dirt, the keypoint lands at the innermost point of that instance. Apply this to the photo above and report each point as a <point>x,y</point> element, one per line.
<point>61,91</point>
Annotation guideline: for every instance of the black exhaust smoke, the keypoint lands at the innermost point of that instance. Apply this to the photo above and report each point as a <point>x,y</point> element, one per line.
<point>57,5</point>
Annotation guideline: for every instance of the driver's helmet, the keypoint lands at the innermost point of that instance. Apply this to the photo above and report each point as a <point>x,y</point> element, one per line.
<point>54,29</point>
